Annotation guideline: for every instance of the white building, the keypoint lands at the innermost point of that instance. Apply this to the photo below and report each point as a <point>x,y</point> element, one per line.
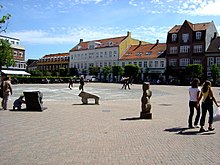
<point>100,53</point>
<point>19,53</point>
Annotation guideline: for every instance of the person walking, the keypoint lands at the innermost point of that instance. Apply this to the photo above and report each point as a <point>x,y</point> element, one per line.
<point>81,81</point>
<point>70,83</point>
<point>207,105</point>
<point>194,92</point>
<point>7,90</point>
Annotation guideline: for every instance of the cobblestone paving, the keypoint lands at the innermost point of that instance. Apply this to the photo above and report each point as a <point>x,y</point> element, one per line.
<point>68,133</point>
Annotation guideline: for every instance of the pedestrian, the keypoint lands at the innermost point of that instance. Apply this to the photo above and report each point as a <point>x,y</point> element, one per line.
<point>7,90</point>
<point>70,83</point>
<point>18,102</point>
<point>81,82</point>
<point>207,105</point>
<point>194,92</point>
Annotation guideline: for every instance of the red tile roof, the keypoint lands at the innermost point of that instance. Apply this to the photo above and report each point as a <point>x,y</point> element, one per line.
<point>99,43</point>
<point>194,27</point>
<point>56,55</point>
<point>146,51</point>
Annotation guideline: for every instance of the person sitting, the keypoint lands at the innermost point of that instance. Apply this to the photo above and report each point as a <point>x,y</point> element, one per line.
<point>18,102</point>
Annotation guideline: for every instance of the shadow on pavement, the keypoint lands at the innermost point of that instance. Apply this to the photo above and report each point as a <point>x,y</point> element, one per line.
<point>133,118</point>
<point>188,131</point>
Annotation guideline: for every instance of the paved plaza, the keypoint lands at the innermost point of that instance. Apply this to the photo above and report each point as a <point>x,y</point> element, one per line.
<point>69,133</point>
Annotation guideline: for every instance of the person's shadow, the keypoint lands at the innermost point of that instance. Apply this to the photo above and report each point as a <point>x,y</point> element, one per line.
<point>188,131</point>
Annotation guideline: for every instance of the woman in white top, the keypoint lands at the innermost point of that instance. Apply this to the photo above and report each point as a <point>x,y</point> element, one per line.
<point>194,92</point>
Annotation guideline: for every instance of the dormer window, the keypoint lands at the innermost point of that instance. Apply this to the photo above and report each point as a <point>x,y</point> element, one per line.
<point>198,35</point>
<point>148,53</point>
<point>138,53</point>
<point>92,46</point>
<point>174,37</point>
<point>110,43</point>
<point>128,54</point>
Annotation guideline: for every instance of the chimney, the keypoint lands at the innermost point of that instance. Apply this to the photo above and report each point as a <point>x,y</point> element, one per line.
<point>81,40</point>
<point>128,34</point>
<point>157,42</point>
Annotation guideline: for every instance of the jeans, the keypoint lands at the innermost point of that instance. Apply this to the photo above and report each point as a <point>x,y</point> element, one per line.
<point>192,105</point>
<point>207,107</point>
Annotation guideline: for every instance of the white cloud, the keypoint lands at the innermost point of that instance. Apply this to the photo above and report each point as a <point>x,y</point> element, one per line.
<point>189,7</point>
<point>73,35</point>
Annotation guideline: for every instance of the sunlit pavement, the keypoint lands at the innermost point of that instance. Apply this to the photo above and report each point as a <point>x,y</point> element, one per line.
<point>68,132</point>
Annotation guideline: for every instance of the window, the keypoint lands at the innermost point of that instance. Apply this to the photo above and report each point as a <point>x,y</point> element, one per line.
<point>135,63</point>
<point>21,54</point>
<point>15,53</point>
<point>138,53</point>
<point>156,64</point>
<point>162,64</point>
<point>148,53</point>
<point>210,61</point>
<point>198,35</point>
<point>140,64</point>
<point>92,46</point>
<point>184,49</point>
<point>218,61</point>
<point>145,64</point>
<point>197,49</point>
<point>184,61</point>
<point>173,50</point>
<point>123,64</point>
<point>172,62</point>
<point>150,64</point>
<point>174,37</point>
<point>185,37</point>
<point>196,61</point>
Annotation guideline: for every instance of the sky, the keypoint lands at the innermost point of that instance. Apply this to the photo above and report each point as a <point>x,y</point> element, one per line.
<point>55,26</point>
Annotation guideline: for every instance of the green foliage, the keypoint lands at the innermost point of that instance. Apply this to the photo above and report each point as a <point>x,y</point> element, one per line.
<point>94,70</point>
<point>106,71</point>
<point>6,54</point>
<point>4,21</point>
<point>36,73</point>
<point>194,70</point>
<point>215,73</point>
<point>73,72</point>
<point>117,70</point>
<point>131,70</point>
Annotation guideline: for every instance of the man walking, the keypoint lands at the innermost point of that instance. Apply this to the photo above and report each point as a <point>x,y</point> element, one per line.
<point>7,90</point>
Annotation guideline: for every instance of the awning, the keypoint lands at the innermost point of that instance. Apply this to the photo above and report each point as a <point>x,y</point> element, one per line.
<point>17,72</point>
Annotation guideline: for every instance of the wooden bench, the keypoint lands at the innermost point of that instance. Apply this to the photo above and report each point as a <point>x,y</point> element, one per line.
<point>85,96</point>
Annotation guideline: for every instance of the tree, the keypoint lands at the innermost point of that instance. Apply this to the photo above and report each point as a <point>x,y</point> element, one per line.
<point>6,54</point>
<point>117,71</point>
<point>4,21</point>
<point>131,70</point>
<point>106,71</point>
<point>94,70</point>
<point>194,70</point>
<point>215,73</point>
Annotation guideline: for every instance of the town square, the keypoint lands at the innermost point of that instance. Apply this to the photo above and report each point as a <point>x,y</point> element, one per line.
<point>109,82</point>
<point>68,132</point>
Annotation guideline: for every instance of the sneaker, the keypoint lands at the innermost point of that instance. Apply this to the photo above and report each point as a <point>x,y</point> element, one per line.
<point>211,129</point>
<point>190,126</point>
<point>196,126</point>
<point>202,130</point>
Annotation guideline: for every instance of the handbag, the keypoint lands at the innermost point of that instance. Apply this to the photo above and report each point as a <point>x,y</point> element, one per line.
<point>216,116</point>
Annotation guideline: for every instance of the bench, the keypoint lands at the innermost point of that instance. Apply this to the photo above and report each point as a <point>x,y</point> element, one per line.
<point>85,96</point>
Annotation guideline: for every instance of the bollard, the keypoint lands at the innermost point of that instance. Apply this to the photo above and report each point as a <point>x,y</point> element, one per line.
<point>145,102</point>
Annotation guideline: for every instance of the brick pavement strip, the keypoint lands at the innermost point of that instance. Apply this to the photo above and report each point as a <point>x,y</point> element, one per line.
<point>110,133</point>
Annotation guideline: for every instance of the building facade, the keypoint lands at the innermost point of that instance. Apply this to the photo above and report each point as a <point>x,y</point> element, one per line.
<point>99,53</point>
<point>53,62</point>
<point>213,55</point>
<point>187,44</point>
<point>18,51</point>
<point>149,57</point>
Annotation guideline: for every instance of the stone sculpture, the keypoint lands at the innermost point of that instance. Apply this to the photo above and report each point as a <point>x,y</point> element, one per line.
<point>145,102</point>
